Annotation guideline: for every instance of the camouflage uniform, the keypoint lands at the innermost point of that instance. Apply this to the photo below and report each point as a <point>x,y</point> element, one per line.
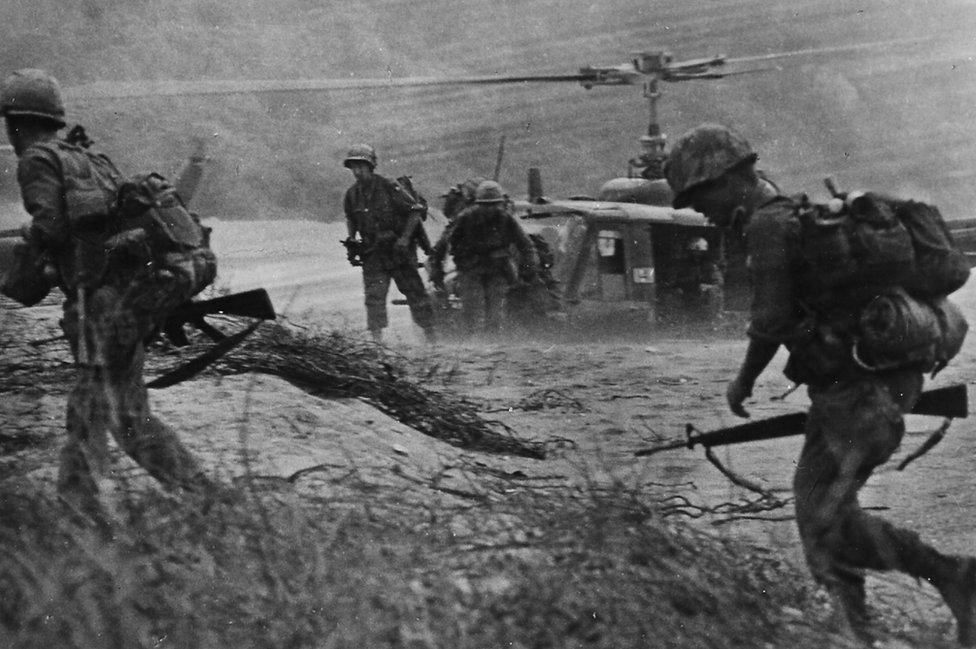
<point>456,200</point>
<point>855,424</point>
<point>379,212</point>
<point>481,243</point>
<point>124,303</point>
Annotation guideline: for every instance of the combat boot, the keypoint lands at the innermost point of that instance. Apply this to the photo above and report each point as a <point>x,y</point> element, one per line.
<point>958,588</point>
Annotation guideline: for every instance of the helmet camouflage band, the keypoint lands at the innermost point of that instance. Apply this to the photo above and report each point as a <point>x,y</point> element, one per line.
<point>33,93</point>
<point>360,153</point>
<point>701,155</point>
<point>489,192</point>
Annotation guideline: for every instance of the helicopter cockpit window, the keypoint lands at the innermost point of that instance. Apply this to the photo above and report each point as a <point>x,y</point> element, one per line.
<point>610,252</point>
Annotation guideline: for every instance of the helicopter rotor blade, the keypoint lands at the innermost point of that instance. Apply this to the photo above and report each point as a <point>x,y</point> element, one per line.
<point>626,74</point>
<point>811,51</point>
<point>136,89</point>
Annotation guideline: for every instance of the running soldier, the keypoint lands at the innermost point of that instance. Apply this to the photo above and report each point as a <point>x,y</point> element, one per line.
<point>856,414</point>
<point>481,244</point>
<point>691,293</point>
<point>383,225</point>
<point>456,200</point>
<point>113,301</point>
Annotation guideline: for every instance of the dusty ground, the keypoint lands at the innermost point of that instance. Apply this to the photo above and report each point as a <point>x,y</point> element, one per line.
<point>592,403</point>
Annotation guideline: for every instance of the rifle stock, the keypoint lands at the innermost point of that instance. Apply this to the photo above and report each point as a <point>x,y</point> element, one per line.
<point>950,402</point>
<point>249,304</point>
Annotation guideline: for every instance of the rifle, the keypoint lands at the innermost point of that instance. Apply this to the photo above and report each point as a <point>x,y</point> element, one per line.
<point>354,251</point>
<point>951,401</point>
<point>12,233</point>
<point>419,234</point>
<point>249,304</point>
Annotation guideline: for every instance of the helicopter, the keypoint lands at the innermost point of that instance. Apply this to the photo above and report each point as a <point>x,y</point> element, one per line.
<point>618,252</point>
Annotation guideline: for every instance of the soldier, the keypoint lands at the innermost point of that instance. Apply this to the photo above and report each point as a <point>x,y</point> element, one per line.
<point>692,290</point>
<point>386,222</point>
<point>649,163</point>
<point>856,416</point>
<point>456,200</point>
<point>112,303</point>
<point>481,244</point>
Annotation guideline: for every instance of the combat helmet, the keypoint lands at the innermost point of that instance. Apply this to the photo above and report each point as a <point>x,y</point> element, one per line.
<point>704,154</point>
<point>32,92</point>
<point>489,192</point>
<point>360,153</point>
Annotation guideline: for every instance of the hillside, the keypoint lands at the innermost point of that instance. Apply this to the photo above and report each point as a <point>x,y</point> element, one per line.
<point>898,118</point>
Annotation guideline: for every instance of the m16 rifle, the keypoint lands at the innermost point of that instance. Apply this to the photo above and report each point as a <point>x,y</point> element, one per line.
<point>948,402</point>
<point>354,251</point>
<point>248,304</point>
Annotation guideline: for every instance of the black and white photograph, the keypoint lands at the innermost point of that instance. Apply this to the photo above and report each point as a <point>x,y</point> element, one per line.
<point>467,325</point>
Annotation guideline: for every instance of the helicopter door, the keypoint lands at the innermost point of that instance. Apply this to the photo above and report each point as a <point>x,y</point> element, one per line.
<point>611,265</point>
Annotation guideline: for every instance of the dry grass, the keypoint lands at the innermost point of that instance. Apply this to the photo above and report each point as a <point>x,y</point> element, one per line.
<point>335,365</point>
<point>250,570</point>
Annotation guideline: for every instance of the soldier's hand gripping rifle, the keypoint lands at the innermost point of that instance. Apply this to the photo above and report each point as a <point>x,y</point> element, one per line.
<point>948,402</point>
<point>354,251</point>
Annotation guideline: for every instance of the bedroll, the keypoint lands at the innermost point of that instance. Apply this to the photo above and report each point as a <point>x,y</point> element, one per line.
<point>899,331</point>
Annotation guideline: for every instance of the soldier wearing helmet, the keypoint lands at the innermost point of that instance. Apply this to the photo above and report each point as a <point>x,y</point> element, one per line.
<point>382,221</point>
<point>481,243</point>
<point>649,163</point>
<point>112,304</point>
<point>456,199</point>
<point>690,287</point>
<point>855,421</point>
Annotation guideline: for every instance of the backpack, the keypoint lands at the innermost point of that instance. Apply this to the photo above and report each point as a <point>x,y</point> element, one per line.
<point>872,242</point>
<point>852,251</point>
<point>941,267</point>
<point>891,263</point>
<point>174,236</point>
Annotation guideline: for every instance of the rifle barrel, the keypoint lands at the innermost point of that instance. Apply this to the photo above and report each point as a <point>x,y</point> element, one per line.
<point>662,447</point>
<point>950,402</point>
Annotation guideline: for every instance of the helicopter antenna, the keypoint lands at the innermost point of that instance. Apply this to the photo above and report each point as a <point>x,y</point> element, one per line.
<point>499,158</point>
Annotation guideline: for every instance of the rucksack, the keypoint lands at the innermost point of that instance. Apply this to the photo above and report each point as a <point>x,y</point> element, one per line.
<point>177,241</point>
<point>140,219</point>
<point>941,267</point>
<point>852,251</point>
